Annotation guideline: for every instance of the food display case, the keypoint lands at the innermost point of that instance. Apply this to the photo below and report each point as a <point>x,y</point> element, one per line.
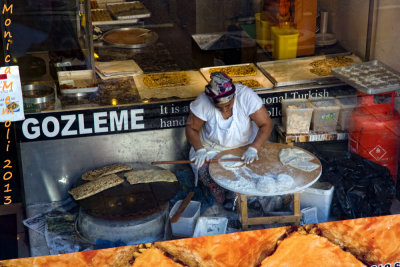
<point>110,82</point>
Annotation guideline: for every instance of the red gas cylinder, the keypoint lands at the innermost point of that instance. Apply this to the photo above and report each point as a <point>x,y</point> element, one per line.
<point>374,130</point>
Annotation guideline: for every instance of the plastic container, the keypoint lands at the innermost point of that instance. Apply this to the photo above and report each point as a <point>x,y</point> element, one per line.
<point>263,30</point>
<point>284,42</point>
<point>296,115</point>
<point>325,115</point>
<point>318,195</point>
<point>210,226</point>
<point>347,104</point>
<point>184,227</point>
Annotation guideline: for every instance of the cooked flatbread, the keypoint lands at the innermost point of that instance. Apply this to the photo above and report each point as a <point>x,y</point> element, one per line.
<point>150,176</point>
<point>96,186</point>
<point>110,169</point>
<point>309,250</point>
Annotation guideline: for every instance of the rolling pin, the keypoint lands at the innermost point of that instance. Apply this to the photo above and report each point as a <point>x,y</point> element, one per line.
<point>188,161</point>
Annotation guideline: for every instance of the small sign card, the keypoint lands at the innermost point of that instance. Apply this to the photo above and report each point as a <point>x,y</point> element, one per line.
<point>11,101</point>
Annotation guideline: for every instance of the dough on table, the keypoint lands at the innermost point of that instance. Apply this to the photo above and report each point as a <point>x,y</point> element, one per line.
<point>297,159</point>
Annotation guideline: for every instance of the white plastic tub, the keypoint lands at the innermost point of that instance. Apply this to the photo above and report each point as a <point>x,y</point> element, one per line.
<point>184,227</point>
<point>325,115</point>
<point>319,195</point>
<point>210,226</point>
<point>296,115</point>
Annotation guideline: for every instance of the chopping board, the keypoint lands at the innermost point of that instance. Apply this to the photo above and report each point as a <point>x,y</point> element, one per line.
<point>296,71</point>
<point>244,179</point>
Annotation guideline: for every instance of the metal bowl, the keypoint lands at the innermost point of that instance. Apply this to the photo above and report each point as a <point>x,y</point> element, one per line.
<point>37,93</point>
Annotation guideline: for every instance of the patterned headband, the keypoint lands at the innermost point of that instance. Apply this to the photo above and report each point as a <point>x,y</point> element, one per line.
<point>220,89</point>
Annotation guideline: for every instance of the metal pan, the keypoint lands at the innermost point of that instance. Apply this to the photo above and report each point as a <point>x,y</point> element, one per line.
<point>37,93</point>
<point>130,37</point>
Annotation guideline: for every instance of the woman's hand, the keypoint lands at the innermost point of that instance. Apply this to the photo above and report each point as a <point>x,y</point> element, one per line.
<point>250,155</point>
<point>200,157</point>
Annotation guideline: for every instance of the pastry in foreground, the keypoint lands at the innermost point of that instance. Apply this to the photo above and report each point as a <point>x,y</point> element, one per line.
<point>309,250</point>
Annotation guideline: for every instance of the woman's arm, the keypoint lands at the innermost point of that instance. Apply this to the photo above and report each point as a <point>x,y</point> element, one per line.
<point>264,123</point>
<point>192,130</point>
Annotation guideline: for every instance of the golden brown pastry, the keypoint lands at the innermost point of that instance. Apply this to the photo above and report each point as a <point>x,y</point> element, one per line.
<point>309,250</point>
<point>154,257</point>
<point>236,71</point>
<point>374,240</point>
<point>237,249</point>
<point>62,260</point>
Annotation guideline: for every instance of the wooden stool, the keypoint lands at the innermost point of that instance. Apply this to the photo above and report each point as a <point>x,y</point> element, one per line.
<point>246,221</point>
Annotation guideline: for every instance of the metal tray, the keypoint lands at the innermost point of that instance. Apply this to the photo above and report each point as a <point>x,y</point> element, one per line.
<point>372,77</point>
<point>111,20</point>
<point>75,78</point>
<point>297,71</point>
<point>259,77</point>
<point>150,37</point>
<point>193,89</point>
<point>131,10</point>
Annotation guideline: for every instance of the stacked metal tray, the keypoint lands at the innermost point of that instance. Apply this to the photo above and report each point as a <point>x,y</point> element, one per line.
<point>128,10</point>
<point>372,77</point>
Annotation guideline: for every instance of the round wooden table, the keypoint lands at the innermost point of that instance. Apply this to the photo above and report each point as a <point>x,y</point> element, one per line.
<point>243,180</point>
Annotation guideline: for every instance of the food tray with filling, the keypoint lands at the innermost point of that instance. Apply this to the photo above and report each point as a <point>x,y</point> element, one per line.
<point>258,77</point>
<point>102,17</point>
<point>372,77</point>
<point>128,10</point>
<point>75,82</point>
<point>301,70</point>
<point>194,86</point>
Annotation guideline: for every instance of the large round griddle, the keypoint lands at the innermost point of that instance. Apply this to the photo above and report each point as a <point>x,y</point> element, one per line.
<point>268,162</point>
<point>130,37</point>
<point>127,201</point>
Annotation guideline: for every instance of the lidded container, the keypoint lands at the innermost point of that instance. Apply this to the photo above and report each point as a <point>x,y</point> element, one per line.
<point>296,115</point>
<point>325,115</point>
<point>347,104</point>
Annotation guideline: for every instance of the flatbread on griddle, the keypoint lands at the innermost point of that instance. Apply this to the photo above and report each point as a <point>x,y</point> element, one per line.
<point>96,186</point>
<point>150,176</point>
<point>109,169</point>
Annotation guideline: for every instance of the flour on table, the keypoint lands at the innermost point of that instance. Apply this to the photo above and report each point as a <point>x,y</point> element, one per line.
<point>249,181</point>
<point>297,159</point>
<point>270,184</point>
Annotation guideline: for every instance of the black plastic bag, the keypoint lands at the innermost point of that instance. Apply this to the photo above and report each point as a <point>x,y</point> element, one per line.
<point>362,188</point>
